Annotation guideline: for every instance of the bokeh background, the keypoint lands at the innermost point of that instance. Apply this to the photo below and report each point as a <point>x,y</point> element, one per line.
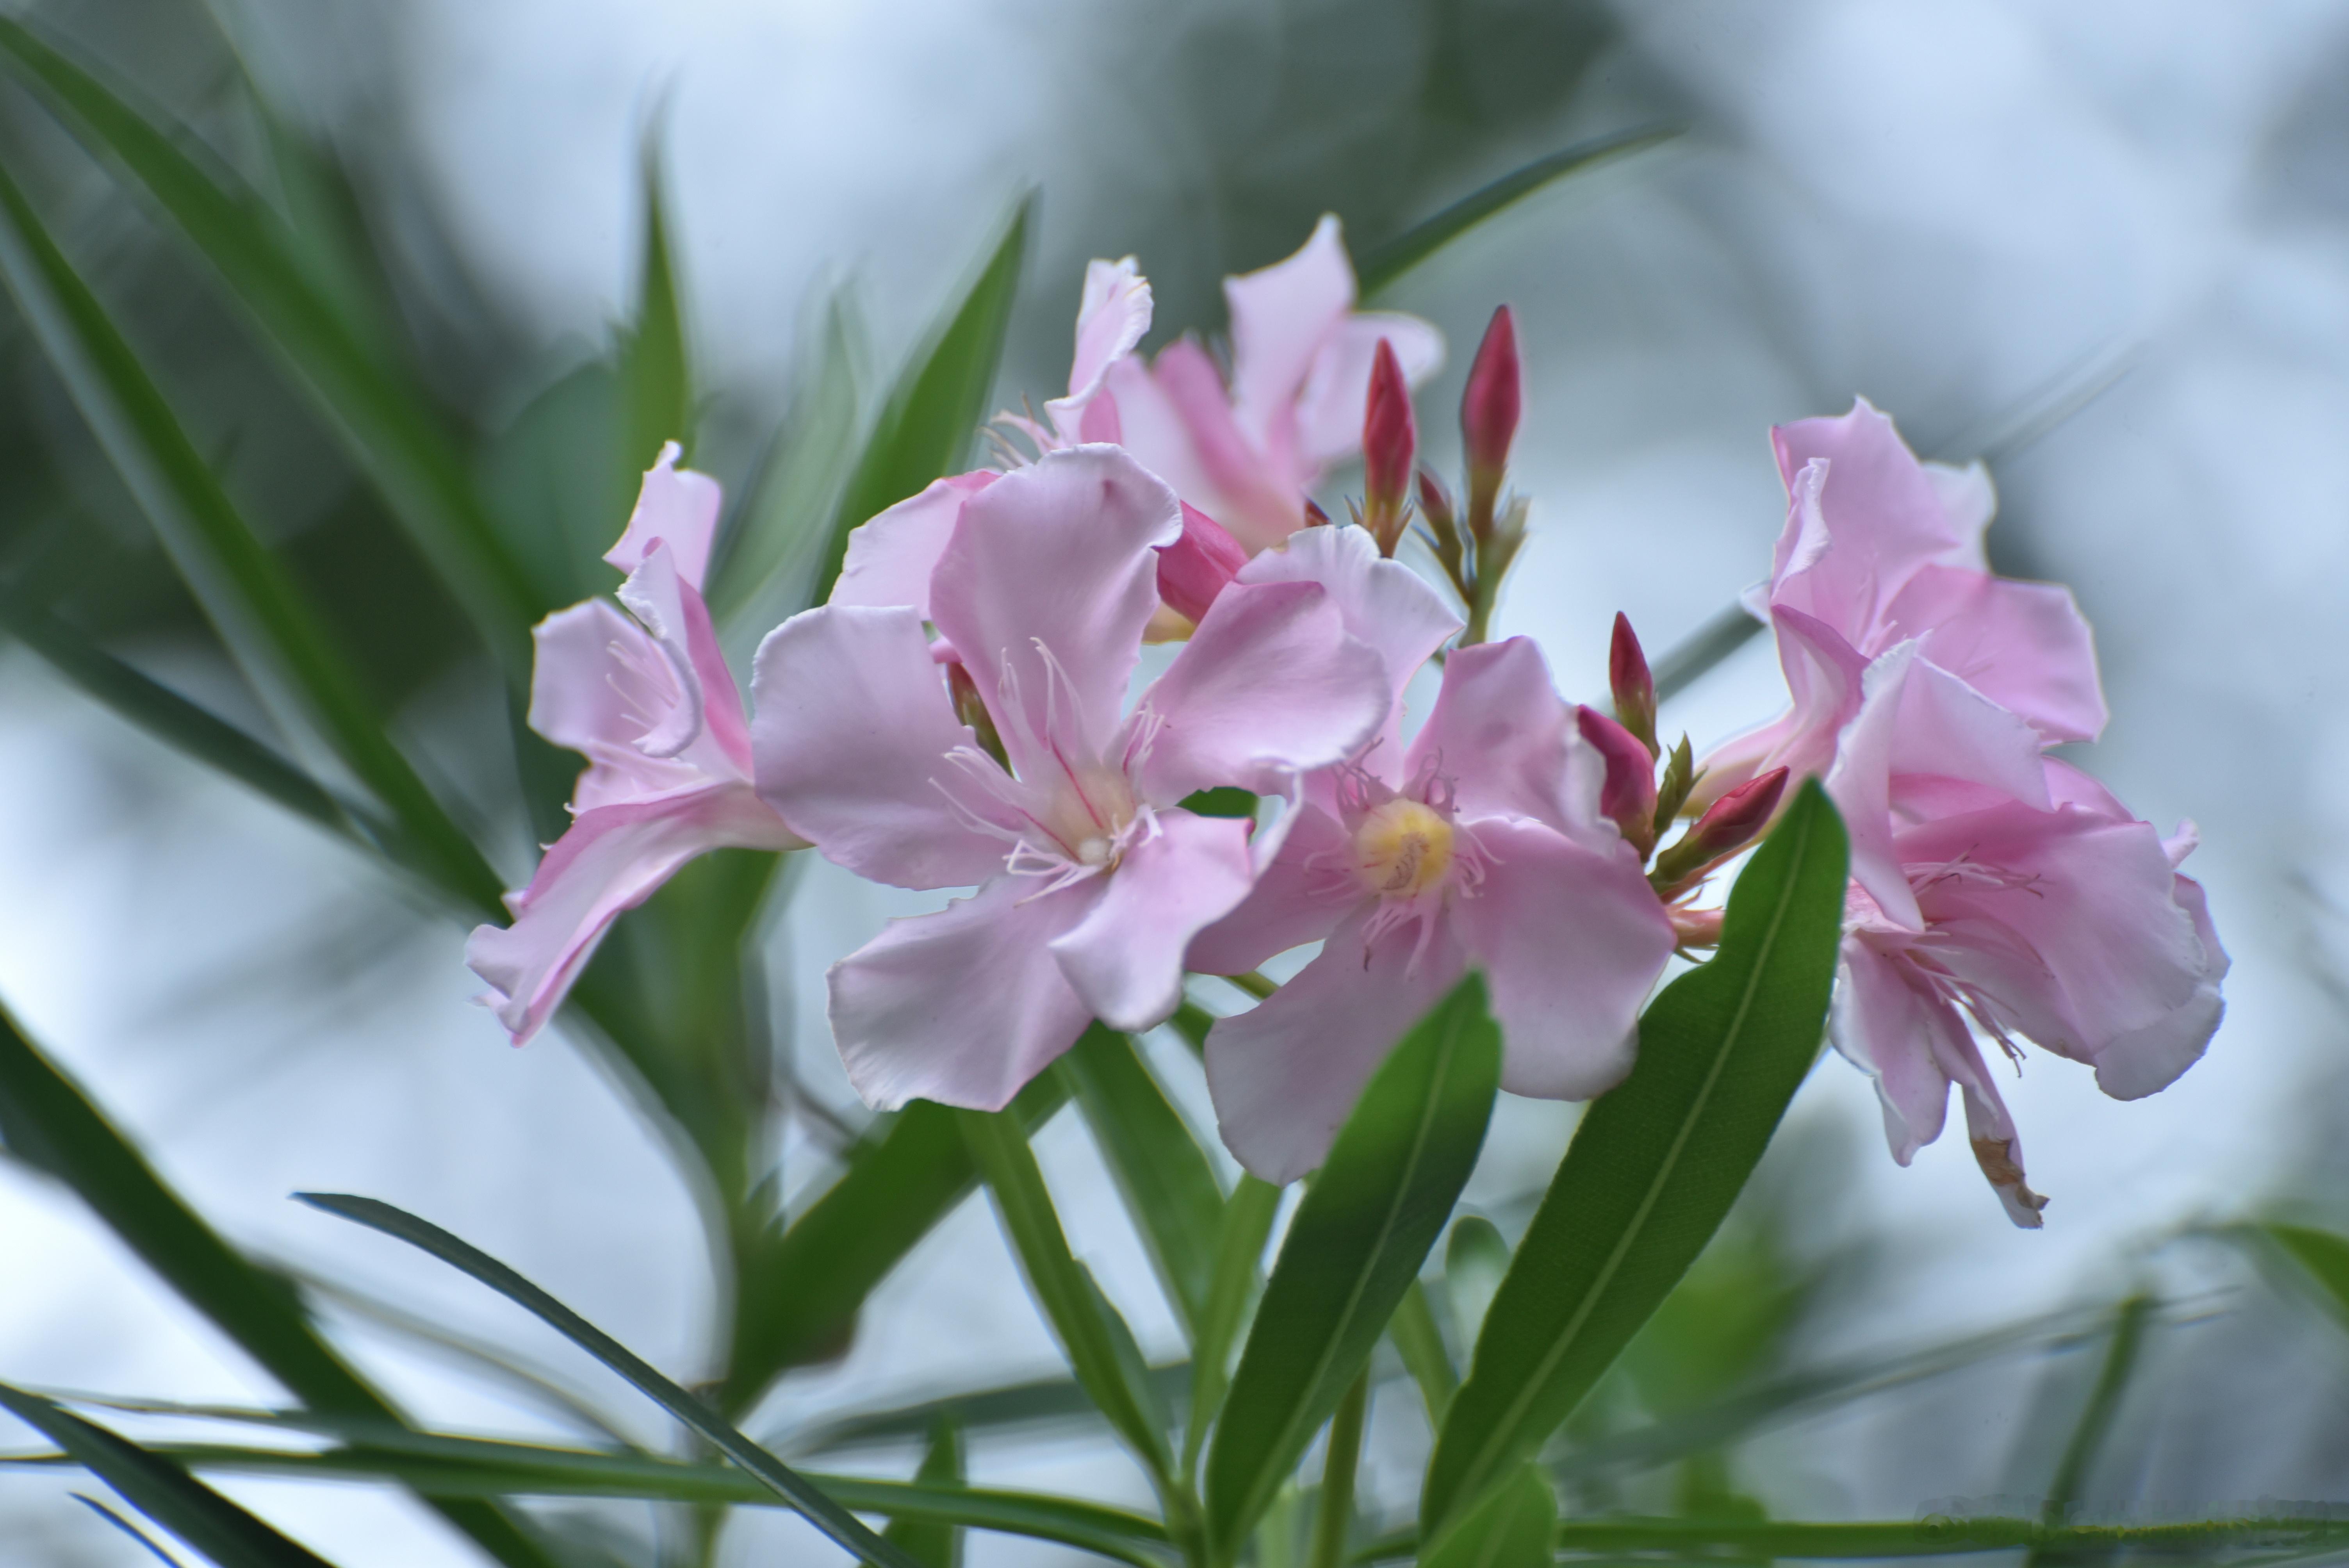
<point>2103,246</point>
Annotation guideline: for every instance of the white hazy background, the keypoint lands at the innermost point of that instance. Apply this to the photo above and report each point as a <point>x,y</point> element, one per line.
<point>1960,210</point>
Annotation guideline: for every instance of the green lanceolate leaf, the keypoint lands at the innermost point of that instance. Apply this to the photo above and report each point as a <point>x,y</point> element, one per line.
<point>1420,1343</point>
<point>1050,1402</point>
<point>940,399</point>
<point>162,1490</point>
<point>1333,1513</point>
<point>1510,1529</point>
<point>1093,1334</point>
<point>810,1502</point>
<point>1365,1225</point>
<point>657,402</point>
<point>1656,1161</point>
<point>48,1123</point>
<point>387,420</point>
<point>127,1528</point>
<point>2095,1422</point>
<point>934,1543</point>
<point>2322,1256</point>
<point>1169,1187</point>
<point>1390,261</point>
<point>1240,1237</point>
<point>1935,1535</point>
<point>243,588</point>
<point>808,1283</point>
<point>1474,1261</point>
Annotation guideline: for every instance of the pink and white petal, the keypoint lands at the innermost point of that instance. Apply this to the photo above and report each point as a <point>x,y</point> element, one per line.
<point>1245,485</point>
<point>1268,687</point>
<point>676,507</point>
<point>1500,731</point>
<point>1281,315</point>
<point>657,595</point>
<point>1824,676</point>
<point>597,681</point>
<point>1151,425</point>
<point>1997,1148</point>
<point>1329,409</point>
<point>1045,589</point>
<point>1126,958</point>
<point>1884,1025</point>
<point>1861,785</point>
<point>1110,319</point>
<point>891,555</point>
<point>2146,1061</point>
<point>1285,1074</point>
<point>2025,645</point>
<point>1968,502</point>
<point>1948,730</point>
<point>1384,602</point>
<point>963,1006</point>
<point>1300,897</point>
<point>1883,516</point>
<point>612,858</point>
<point>853,726</point>
<point>1570,942</point>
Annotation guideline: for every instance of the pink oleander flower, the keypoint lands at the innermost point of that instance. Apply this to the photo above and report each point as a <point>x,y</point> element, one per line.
<point>1244,455</point>
<point>1996,886</point>
<point>1480,845</point>
<point>1880,549</point>
<point>1092,879</point>
<point>651,705</point>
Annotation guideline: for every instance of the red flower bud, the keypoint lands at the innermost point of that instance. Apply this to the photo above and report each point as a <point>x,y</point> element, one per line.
<point>1628,798</point>
<point>1390,441</point>
<point>1634,687</point>
<point>1194,569</point>
<point>1733,820</point>
<point>1489,408</point>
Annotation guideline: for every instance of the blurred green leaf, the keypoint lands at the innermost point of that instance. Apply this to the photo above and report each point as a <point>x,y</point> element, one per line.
<point>1169,1186</point>
<point>2096,1423</point>
<point>127,1528</point>
<point>939,401</point>
<point>1510,1529</point>
<point>1092,1333</point>
<point>801,1290</point>
<point>1474,1261</point>
<point>655,370</point>
<point>1241,1236</point>
<point>1333,1513</point>
<point>387,420</point>
<point>1386,262</point>
<point>1365,1225</point>
<point>934,1542</point>
<point>243,588</point>
<point>47,1122</point>
<point>162,1491</point>
<point>1420,1342</point>
<point>810,1501</point>
<point>2323,1257</point>
<point>1223,801</point>
<point>1055,1401</point>
<point>1935,1535</point>
<point>1656,1161</point>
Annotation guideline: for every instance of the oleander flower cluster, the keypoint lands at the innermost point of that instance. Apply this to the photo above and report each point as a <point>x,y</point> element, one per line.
<point>968,712</point>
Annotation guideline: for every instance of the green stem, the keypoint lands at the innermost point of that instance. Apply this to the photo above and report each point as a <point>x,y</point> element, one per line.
<point>1345,1454</point>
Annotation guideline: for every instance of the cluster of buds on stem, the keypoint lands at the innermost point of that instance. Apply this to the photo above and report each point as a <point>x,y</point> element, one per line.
<point>1476,547</point>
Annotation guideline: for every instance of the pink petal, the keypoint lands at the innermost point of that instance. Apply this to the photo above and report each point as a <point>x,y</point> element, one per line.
<point>1285,1074</point>
<point>1125,957</point>
<point>1281,317</point>
<point>853,725</point>
<point>1300,898</point>
<point>1384,602</point>
<point>612,858</point>
<point>1269,686</point>
<point>890,557</point>
<point>1330,407</point>
<point>596,680</point>
<point>1198,566</point>
<point>1178,421</point>
<point>2022,645</point>
<point>1883,518</point>
<point>1571,942</point>
<point>1823,674</point>
<point>1500,732</point>
<point>705,727</point>
<point>1047,584</point>
<point>1885,1026</point>
<point>676,507</point>
<point>963,1007</point>
<point>1998,1149</point>
<point>1111,318</point>
<point>2143,1061</point>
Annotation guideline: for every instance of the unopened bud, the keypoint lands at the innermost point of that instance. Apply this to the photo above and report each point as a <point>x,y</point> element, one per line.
<point>1727,826</point>
<point>1390,441</point>
<point>1489,417</point>
<point>1196,568</point>
<point>1444,527</point>
<point>971,708</point>
<point>1634,687</point>
<point>1628,798</point>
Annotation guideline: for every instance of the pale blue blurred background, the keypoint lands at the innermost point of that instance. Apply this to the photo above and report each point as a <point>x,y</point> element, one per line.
<point>2105,245</point>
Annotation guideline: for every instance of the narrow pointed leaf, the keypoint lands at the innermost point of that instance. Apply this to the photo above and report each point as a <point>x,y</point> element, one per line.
<point>1510,1529</point>
<point>813,1504</point>
<point>162,1490</point>
<point>1240,1239</point>
<point>244,587</point>
<point>2095,1422</point>
<point>48,1123</point>
<point>1420,1343</point>
<point>1474,1261</point>
<point>940,399</point>
<point>386,418</point>
<point>1656,1161</point>
<point>1390,261</point>
<point>127,1528</point>
<point>1359,1235</point>
<point>657,401</point>
<point>1093,1334</point>
<point>934,1543</point>
<point>1051,1402</point>
<point>1168,1184</point>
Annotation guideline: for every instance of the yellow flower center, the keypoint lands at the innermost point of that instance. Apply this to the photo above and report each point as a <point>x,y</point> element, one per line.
<point>1402,848</point>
